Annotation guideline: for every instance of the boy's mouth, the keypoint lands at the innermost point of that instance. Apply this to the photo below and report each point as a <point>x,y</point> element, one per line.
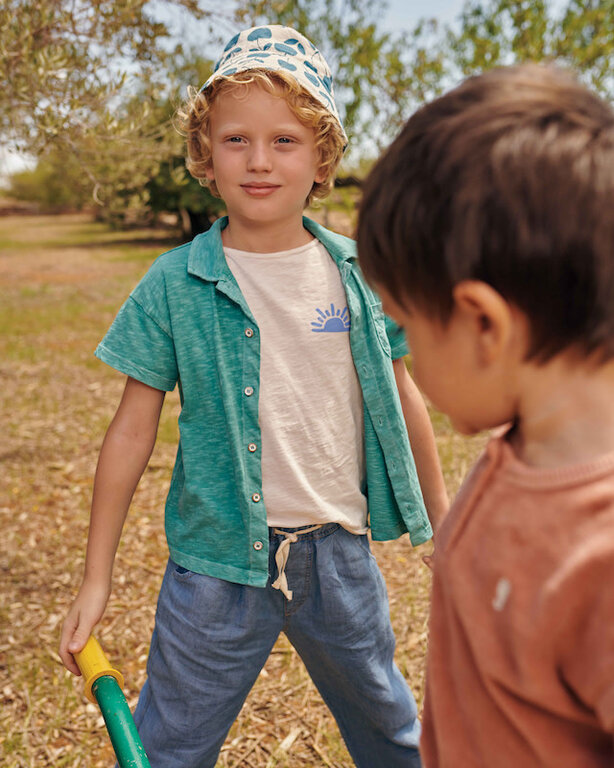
<point>259,188</point>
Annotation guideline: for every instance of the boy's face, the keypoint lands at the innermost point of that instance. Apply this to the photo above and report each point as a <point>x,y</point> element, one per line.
<point>457,367</point>
<point>264,161</point>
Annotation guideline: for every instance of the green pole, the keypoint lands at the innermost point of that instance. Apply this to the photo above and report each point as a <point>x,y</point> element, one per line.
<point>120,725</point>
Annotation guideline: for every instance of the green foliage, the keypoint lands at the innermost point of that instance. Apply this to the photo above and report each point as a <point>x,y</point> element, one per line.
<point>57,183</point>
<point>172,189</point>
<point>382,78</point>
<point>586,40</point>
<point>499,32</point>
<point>63,64</point>
<point>92,85</point>
<point>69,71</point>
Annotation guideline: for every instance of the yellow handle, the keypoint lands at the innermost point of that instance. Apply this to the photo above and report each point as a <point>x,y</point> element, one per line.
<point>94,664</point>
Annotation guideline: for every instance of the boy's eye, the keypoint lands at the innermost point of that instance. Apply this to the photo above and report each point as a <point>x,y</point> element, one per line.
<point>284,140</point>
<point>234,139</point>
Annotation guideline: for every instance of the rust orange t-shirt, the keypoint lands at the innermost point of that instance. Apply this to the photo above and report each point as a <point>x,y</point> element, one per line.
<point>520,669</point>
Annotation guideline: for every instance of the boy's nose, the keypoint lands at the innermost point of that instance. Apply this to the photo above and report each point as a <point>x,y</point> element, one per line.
<point>259,158</point>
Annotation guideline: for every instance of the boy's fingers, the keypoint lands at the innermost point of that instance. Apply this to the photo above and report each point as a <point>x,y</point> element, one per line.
<point>72,666</point>
<point>69,661</point>
<point>429,560</point>
<point>78,640</point>
<point>74,637</point>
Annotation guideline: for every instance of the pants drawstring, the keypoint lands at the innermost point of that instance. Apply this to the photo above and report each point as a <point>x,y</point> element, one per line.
<point>281,558</point>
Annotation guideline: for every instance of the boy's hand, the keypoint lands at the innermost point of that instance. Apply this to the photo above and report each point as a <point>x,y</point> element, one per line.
<point>429,560</point>
<point>83,615</point>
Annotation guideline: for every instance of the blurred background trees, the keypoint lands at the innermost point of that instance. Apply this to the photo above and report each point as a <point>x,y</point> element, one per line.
<point>89,87</point>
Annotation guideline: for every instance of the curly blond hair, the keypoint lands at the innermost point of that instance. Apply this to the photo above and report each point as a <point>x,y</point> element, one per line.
<point>193,122</point>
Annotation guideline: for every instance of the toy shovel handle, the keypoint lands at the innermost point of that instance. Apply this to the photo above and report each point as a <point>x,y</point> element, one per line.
<point>103,684</point>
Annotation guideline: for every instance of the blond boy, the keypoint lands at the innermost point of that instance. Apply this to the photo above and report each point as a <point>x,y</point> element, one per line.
<point>292,438</point>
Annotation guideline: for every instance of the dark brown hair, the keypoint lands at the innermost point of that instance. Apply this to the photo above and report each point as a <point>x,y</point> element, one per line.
<point>508,179</point>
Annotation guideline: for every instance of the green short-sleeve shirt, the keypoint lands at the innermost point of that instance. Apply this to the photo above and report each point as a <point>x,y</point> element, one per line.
<point>187,324</point>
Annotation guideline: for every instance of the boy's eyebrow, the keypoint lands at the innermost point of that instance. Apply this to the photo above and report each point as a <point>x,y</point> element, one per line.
<point>236,127</point>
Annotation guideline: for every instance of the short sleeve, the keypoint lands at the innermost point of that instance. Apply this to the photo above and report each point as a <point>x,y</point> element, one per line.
<point>397,339</point>
<point>136,344</point>
<point>587,629</point>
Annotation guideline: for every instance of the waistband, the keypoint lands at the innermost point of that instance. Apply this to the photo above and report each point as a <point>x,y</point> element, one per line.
<point>291,536</point>
<point>320,532</point>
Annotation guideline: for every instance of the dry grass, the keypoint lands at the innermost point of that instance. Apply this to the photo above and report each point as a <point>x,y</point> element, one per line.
<point>61,281</point>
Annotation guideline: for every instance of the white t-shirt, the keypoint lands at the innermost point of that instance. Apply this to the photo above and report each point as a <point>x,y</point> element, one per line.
<point>310,401</point>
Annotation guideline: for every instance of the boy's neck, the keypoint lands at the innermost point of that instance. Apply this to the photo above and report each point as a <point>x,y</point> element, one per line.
<point>565,412</point>
<point>265,237</point>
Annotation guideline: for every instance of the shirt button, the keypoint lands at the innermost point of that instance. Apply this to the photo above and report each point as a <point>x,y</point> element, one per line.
<point>251,448</point>
<point>258,546</point>
<point>249,391</point>
<point>256,497</point>
<point>249,332</point>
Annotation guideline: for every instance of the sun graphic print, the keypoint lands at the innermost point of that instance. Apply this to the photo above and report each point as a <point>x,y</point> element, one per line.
<point>331,320</point>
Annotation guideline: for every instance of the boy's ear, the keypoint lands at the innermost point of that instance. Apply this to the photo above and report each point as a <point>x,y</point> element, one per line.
<point>491,319</point>
<point>320,175</point>
<point>210,173</point>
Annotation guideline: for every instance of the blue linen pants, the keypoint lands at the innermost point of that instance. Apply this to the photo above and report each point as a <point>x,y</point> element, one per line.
<point>212,638</point>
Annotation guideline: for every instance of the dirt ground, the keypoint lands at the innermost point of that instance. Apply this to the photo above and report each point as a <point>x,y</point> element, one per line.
<point>62,280</point>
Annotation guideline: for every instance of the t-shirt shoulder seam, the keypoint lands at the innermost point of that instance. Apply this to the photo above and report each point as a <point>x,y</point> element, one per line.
<point>146,312</point>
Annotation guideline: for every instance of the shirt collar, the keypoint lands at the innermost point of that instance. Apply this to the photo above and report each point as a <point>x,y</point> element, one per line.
<point>341,248</point>
<point>207,260</point>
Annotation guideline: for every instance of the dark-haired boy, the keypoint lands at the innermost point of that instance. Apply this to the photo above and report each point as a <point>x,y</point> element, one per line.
<point>488,227</point>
